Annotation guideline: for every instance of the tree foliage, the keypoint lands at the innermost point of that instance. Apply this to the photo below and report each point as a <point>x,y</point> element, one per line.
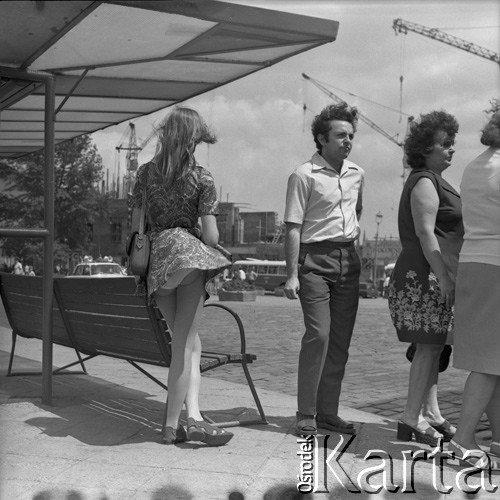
<point>78,170</point>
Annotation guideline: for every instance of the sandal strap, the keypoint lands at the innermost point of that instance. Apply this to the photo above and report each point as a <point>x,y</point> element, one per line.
<point>206,427</point>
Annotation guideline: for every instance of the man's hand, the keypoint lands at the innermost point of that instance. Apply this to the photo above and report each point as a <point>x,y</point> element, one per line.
<point>292,287</point>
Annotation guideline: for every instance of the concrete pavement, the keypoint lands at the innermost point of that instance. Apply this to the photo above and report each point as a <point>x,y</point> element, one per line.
<point>101,437</point>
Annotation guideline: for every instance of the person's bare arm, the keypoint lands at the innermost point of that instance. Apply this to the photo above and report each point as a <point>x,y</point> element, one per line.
<point>209,231</point>
<point>292,248</point>
<point>424,207</point>
<point>359,203</point>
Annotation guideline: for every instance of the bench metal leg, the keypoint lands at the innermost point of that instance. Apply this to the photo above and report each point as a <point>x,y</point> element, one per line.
<point>142,370</point>
<point>80,362</point>
<point>11,358</point>
<point>58,371</point>
<point>255,421</point>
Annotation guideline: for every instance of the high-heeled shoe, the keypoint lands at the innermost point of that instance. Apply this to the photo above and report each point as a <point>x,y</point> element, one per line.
<point>446,429</point>
<point>430,436</point>
<point>477,458</point>
<point>199,430</point>
<point>174,436</point>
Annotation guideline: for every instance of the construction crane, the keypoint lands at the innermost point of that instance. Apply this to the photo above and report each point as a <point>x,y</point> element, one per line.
<point>131,159</point>
<point>363,118</point>
<point>402,26</point>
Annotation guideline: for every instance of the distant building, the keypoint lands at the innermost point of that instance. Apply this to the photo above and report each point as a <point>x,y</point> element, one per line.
<point>244,234</point>
<point>229,224</point>
<point>259,226</point>
<point>388,250</point>
<point>237,227</point>
<point>109,234</point>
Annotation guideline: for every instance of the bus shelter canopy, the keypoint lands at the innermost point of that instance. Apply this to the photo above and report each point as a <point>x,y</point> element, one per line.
<point>116,60</point>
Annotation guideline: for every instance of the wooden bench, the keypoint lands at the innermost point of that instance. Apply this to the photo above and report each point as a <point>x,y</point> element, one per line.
<point>102,316</point>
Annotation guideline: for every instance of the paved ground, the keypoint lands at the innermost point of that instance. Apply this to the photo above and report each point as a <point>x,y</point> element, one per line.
<point>100,439</point>
<point>377,371</point>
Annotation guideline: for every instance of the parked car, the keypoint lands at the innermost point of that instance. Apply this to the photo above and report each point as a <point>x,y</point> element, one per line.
<point>367,290</point>
<point>98,270</point>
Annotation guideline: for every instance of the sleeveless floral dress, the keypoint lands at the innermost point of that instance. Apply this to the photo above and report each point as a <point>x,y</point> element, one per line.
<point>172,219</point>
<point>417,310</point>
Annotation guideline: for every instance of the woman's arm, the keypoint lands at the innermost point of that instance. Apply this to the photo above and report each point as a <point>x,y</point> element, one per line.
<point>424,208</point>
<point>209,231</point>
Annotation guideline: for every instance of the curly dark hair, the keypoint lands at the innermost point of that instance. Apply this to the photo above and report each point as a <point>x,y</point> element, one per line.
<point>488,137</point>
<point>341,111</point>
<point>422,135</point>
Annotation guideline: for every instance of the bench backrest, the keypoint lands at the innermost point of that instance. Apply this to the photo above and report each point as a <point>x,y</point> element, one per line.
<point>104,316</point>
<point>22,301</point>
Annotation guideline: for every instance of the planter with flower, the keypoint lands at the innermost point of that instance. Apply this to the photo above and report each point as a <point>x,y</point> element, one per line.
<point>237,290</point>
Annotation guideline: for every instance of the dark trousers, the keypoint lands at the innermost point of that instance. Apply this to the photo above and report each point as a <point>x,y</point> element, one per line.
<point>329,296</point>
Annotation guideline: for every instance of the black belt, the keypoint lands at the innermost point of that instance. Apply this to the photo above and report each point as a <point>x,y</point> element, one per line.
<point>327,244</point>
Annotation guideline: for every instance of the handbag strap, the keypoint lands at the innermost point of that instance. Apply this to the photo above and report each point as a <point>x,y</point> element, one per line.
<point>142,219</point>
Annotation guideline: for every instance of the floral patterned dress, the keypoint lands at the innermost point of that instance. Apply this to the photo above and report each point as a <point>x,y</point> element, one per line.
<point>172,220</point>
<point>415,304</point>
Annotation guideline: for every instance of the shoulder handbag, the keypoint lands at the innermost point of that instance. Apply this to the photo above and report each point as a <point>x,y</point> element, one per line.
<point>140,246</point>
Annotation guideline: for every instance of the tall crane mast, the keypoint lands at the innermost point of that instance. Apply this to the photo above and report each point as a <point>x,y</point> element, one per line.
<point>131,158</point>
<point>402,26</point>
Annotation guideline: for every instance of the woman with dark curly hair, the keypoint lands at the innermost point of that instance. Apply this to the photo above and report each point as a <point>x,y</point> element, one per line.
<point>421,291</point>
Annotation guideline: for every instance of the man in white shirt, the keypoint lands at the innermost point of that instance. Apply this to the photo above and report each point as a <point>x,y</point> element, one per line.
<point>323,206</point>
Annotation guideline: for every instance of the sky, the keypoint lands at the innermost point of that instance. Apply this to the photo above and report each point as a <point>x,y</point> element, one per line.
<point>264,132</point>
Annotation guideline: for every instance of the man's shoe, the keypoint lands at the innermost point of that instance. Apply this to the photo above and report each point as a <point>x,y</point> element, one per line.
<point>305,425</point>
<point>335,424</point>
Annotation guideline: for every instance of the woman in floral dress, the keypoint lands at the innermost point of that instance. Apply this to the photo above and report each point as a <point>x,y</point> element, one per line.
<point>179,193</point>
<point>421,291</point>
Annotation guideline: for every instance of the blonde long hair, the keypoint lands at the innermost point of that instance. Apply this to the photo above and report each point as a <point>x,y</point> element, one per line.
<point>179,134</point>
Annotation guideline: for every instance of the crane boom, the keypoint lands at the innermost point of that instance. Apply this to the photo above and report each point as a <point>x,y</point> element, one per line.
<point>402,26</point>
<point>363,118</point>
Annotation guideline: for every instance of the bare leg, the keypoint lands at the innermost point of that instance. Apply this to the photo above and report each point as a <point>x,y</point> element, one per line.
<point>167,303</point>
<point>493,412</point>
<point>431,411</point>
<point>192,397</point>
<point>189,297</point>
<point>478,393</point>
<point>423,376</point>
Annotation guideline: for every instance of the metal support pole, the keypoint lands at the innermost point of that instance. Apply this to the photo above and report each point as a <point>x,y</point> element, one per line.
<point>46,233</point>
<point>48,266</point>
<point>378,219</point>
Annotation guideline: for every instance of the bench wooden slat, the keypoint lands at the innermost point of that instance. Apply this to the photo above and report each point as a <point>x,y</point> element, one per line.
<point>130,311</point>
<point>110,320</point>
<point>22,297</point>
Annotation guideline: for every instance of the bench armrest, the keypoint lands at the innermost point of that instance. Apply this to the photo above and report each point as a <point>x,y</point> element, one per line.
<point>239,323</point>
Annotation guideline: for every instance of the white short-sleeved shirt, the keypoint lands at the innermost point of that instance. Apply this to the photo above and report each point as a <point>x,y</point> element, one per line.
<point>323,201</point>
<point>480,192</point>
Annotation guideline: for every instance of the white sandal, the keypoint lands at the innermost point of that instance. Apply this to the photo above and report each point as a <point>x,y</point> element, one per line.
<point>477,458</point>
